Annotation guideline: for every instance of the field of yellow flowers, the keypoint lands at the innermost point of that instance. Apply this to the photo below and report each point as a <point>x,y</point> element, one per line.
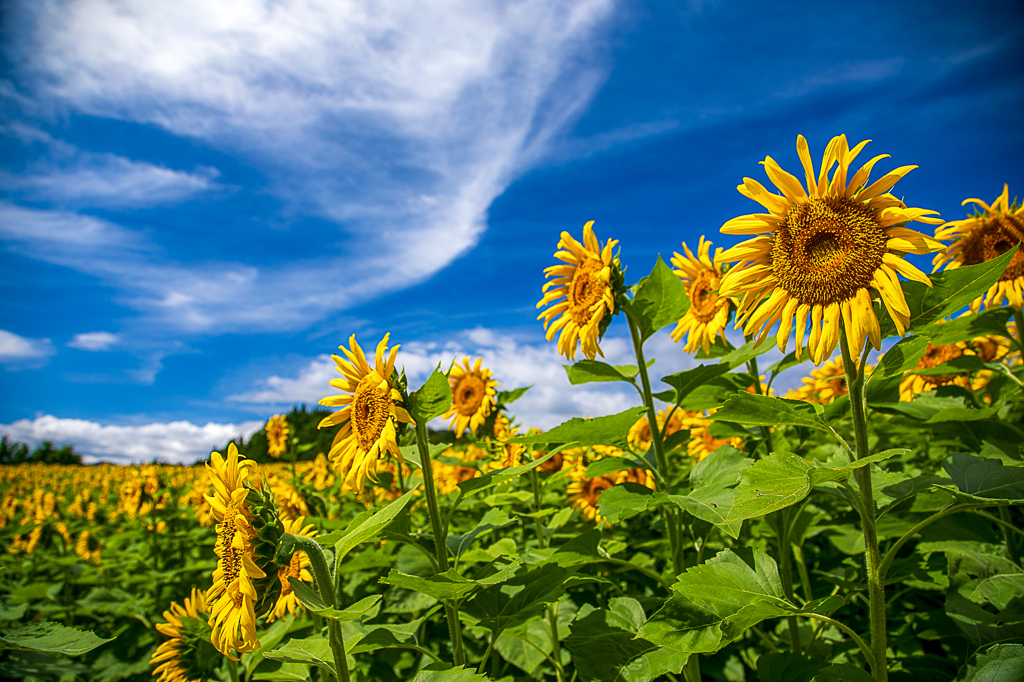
<point>867,526</point>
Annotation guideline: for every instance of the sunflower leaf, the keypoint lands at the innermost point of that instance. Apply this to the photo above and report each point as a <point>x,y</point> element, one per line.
<point>610,430</point>
<point>592,371</point>
<point>900,358</point>
<point>985,479</point>
<point>783,479</point>
<point>449,586</point>
<point>1000,662</point>
<point>432,399</point>
<point>660,300</point>
<point>308,650</point>
<point>489,480</point>
<point>686,381</point>
<point>354,612</point>
<point>759,410</point>
<point>443,672</point>
<point>506,397</point>
<point>52,638</point>
<point>372,526</point>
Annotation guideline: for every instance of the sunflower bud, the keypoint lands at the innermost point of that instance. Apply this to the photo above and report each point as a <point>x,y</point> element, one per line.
<point>269,530</point>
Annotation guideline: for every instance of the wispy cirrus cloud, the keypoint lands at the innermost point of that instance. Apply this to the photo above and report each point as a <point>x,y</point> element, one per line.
<point>399,124</point>
<point>18,352</point>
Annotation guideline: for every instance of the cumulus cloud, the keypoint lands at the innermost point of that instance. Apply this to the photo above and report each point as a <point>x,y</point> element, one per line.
<point>19,351</point>
<point>176,442</point>
<point>399,123</point>
<point>94,341</point>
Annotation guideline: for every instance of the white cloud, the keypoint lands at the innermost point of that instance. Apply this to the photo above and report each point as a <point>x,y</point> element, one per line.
<point>94,341</point>
<point>176,442</point>
<point>19,351</point>
<point>400,123</point>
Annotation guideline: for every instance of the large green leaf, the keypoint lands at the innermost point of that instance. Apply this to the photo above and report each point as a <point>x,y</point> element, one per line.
<point>308,650</point>
<point>593,371</point>
<point>787,667</point>
<point>603,641</point>
<point>713,604</point>
<point>626,500</point>
<point>1000,663</point>
<point>506,397</point>
<point>489,480</point>
<point>991,321</point>
<point>985,479</point>
<point>712,488</point>
<point>449,586</point>
<point>760,410</point>
<point>900,358</point>
<point>660,300</point>
<point>371,526</point>
<point>951,290</point>
<point>783,479</point>
<point>519,598</point>
<point>686,381</point>
<point>984,602</point>
<point>842,673</point>
<point>432,399</point>
<point>494,519</point>
<point>610,430</point>
<point>52,638</point>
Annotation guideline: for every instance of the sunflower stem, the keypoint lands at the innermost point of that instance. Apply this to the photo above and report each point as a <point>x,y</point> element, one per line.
<point>876,587</point>
<point>325,585</point>
<point>672,520</point>
<point>438,530</point>
<point>1018,322</point>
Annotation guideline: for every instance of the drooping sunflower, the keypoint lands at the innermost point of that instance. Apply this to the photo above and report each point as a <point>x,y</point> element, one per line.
<point>473,393</point>
<point>298,568</point>
<point>820,253</point>
<point>709,313</point>
<point>188,656</point>
<point>986,235</point>
<point>369,413</point>
<point>277,435</point>
<point>233,596</point>
<point>87,547</point>
<point>587,283</point>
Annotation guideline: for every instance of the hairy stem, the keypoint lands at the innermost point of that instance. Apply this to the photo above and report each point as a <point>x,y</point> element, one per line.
<point>438,530</point>
<point>864,648</point>
<point>872,559</point>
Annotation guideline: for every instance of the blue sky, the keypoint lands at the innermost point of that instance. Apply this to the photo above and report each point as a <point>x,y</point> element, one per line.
<point>201,200</point>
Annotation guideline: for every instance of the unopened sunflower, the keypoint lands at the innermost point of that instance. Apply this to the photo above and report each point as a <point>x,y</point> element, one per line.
<point>277,435</point>
<point>369,413</point>
<point>709,313</point>
<point>586,281</point>
<point>986,235</point>
<point>819,253</point>
<point>188,656</point>
<point>233,596</point>
<point>297,568</point>
<point>473,393</point>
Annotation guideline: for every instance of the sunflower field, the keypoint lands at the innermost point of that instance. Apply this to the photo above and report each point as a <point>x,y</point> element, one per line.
<point>867,526</point>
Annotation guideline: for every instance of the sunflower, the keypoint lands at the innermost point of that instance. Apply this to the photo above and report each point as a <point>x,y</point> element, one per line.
<point>824,385</point>
<point>449,476</point>
<point>368,416</point>
<point>319,474</point>
<point>88,547</point>
<point>709,312</point>
<point>819,253</point>
<point>233,595</point>
<point>188,656</point>
<point>983,236</point>
<point>640,436</point>
<point>586,281</point>
<point>986,348</point>
<point>509,454</point>
<point>277,435</point>
<point>297,568</point>
<point>584,494</point>
<point>703,442</point>
<point>473,393</point>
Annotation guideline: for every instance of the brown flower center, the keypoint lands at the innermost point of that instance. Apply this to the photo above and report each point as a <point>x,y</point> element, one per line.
<point>370,412</point>
<point>825,250</point>
<point>593,488</point>
<point>935,356</point>
<point>587,289</point>
<point>704,303</point>
<point>469,394</point>
<point>996,235</point>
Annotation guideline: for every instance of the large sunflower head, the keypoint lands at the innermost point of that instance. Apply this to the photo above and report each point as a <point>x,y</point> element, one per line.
<point>188,656</point>
<point>587,281</point>
<point>298,568</point>
<point>821,252</point>
<point>233,596</point>
<point>709,313</point>
<point>473,393</point>
<point>369,414</point>
<point>277,435</point>
<point>986,235</point>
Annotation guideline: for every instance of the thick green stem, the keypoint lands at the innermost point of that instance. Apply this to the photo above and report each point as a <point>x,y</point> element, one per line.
<point>325,585</point>
<point>872,558</point>
<point>672,520</point>
<point>556,646</point>
<point>440,550</point>
<point>1018,321</point>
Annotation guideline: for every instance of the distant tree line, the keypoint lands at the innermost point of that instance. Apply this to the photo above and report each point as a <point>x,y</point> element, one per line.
<point>15,452</point>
